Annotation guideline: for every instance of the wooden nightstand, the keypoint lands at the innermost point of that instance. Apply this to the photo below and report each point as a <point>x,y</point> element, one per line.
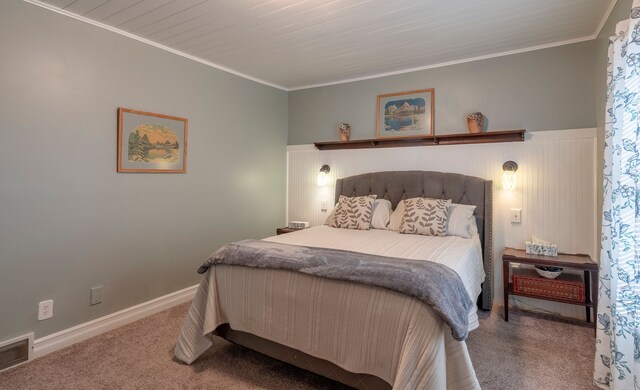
<point>580,262</point>
<point>284,230</point>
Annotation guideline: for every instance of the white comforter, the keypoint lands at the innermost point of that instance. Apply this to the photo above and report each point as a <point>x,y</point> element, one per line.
<point>360,328</point>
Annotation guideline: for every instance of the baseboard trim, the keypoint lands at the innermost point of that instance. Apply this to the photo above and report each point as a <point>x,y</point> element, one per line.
<point>53,342</point>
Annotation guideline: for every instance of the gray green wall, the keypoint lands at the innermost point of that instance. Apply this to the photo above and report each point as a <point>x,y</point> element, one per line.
<point>68,221</point>
<point>547,89</point>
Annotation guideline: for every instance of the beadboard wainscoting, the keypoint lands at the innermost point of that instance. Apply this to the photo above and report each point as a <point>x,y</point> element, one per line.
<point>556,189</point>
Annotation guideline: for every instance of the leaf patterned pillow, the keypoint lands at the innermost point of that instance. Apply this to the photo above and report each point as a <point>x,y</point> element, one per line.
<point>353,212</point>
<point>425,216</point>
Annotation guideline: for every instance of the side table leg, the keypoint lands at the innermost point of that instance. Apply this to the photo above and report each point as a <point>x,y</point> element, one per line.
<point>587,293</point>
<point>595,280</point>
<point>505,282</point>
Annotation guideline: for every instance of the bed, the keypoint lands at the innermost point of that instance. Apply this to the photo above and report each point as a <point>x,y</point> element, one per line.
<point>364,336</point>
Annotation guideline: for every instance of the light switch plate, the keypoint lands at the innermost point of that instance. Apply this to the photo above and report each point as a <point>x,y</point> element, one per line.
<point>96,295</point>
<point>516,216</point>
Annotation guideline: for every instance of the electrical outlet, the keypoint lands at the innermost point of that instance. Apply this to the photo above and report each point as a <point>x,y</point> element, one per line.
<point>45,310</point>
<point>516,215</point>
<point>96,295</point>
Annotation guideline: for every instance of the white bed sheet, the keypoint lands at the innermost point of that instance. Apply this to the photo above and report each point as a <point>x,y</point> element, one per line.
<point>462,255</point>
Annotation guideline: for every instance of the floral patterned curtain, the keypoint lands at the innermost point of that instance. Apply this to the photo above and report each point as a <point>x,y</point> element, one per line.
<point>617,363</point>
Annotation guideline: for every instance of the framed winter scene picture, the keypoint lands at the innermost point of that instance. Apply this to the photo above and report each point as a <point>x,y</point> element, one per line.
<point>405,114</point>
<point>149,142</point>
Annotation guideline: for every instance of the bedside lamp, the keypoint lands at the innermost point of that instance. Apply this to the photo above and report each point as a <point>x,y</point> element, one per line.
<point>509,178</point>
<point>323,175</point>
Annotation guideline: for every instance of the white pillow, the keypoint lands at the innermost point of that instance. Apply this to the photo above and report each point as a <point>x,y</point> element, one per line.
<point>474,226</point>
<point>461,220</point>
<point>332,215</point>
<point>395,220</point>
<point>381,214</point>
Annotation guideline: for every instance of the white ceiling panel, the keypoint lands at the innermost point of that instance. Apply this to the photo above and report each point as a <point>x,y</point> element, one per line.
<point>110,8</point>
<point>297,43</point>
<point>83,7</point>
<point>60,3</point>
<point>135,10</point>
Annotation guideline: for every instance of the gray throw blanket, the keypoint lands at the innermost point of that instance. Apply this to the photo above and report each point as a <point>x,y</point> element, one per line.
<point>434,284</point>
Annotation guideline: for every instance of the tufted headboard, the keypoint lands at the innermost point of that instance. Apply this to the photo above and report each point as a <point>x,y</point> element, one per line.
<point>398,185</point>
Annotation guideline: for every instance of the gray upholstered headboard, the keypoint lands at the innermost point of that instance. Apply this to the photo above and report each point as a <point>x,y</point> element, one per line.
<point>398,185</point>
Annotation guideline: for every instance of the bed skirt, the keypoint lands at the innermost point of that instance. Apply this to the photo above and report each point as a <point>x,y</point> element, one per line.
<point>361,329</point>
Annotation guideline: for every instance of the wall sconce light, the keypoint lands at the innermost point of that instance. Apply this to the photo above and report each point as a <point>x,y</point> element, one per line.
<point>323,175</point>
<point>509,178</point>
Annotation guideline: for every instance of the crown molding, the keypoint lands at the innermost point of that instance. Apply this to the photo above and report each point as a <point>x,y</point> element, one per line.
<point>449,63</point>
<point>605,18</point>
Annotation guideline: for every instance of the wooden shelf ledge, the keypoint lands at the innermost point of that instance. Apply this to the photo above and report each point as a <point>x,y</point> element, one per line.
<point>434,140</point>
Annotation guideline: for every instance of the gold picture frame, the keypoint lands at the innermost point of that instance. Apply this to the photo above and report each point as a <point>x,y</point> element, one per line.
<point>407,114</point>
<point>151,143</point>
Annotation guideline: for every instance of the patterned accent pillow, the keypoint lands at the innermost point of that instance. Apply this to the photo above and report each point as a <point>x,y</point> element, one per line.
<point>353,212</point>
<point>425,216</point>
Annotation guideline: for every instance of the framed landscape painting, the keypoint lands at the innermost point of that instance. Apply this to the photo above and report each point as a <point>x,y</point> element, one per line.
<point>149,142</point>
<point>405,114</point>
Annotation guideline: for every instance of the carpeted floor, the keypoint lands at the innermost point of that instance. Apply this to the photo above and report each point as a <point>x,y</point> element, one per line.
<point>530,352</point>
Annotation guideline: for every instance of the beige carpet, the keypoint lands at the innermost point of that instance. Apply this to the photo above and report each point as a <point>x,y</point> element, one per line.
<point>532,351</point>
<point>529,352</point>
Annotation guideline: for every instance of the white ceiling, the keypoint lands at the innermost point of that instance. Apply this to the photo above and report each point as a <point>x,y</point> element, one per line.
<point>294,44</point>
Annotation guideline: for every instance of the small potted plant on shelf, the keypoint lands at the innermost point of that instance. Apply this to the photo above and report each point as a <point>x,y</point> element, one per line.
<point>475,120</point>
<point>345,132</point>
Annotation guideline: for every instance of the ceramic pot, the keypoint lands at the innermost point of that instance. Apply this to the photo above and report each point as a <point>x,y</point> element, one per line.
<point>345,132</point>
<point>475,120</point>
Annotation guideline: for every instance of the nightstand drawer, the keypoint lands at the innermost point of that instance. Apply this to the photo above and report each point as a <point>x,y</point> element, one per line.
<point>567,287</point>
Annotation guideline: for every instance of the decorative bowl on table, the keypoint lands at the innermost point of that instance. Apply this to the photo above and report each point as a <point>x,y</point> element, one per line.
<point>548,272</point>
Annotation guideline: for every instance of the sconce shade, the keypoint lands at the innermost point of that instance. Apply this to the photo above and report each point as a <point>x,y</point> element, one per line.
<point>509,177</point>
<point>323,175</point>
